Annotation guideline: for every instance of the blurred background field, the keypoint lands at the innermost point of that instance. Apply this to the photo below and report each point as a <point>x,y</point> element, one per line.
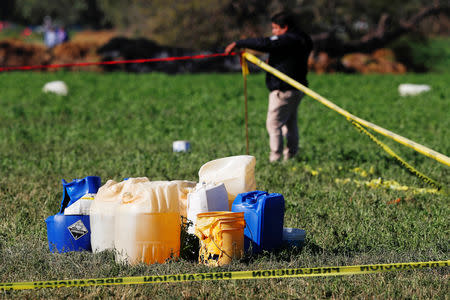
<point>122,125</point>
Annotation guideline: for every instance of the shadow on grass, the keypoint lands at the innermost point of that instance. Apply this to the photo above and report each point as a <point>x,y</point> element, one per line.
<point>190,246</point>
<point>285,253</point>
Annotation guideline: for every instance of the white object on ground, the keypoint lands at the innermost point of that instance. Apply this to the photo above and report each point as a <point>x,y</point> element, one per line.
<point>56,87</point>
<point>409,89</point>
<point>206,197</point>
<point>181,146</point>
<point>236,172</point>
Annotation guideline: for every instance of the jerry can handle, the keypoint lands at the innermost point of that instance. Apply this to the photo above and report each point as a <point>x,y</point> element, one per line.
<point>66,198</point>
<point>252,197</point>
<point>76,189</point>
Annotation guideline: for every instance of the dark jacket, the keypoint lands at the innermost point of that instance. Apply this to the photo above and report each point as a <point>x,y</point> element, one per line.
<point>288,53</point>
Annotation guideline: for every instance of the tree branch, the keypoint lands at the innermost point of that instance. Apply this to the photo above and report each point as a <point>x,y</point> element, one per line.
<point>378,38</point>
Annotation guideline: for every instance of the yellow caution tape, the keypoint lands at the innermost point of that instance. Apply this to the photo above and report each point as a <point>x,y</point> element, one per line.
<point>374,183</point>
<point>398,138</point>
<point>387,184</point>
<point>231,275</point>
<point>402,162</point>
<point>312,171</point>
<point>363,173</point>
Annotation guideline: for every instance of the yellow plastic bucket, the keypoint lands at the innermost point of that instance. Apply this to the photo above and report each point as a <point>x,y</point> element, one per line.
<point>221,237</point>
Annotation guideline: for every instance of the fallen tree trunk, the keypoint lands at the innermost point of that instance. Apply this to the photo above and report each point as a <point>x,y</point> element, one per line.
<point>380,37</point>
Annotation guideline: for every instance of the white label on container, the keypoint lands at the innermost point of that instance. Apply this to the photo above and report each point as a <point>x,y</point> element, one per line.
<point>77,229</point>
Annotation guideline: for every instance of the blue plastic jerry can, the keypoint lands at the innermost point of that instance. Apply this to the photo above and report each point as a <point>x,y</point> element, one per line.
<point>68,233</point>
<point>264,217</point>
<point>77,188</point>
<point>72,232</point>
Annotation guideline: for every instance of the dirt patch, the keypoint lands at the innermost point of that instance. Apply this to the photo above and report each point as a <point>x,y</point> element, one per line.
<point>97,46</point>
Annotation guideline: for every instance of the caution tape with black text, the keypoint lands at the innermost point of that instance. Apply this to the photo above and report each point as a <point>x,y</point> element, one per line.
<point>227,275</point>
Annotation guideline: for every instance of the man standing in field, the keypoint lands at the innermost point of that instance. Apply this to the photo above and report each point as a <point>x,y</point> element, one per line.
<point>288,49</point>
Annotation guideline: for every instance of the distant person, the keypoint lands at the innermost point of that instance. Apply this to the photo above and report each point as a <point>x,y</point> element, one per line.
<point>62,35</point>
<point>50,37</point>
<point>288,49</point>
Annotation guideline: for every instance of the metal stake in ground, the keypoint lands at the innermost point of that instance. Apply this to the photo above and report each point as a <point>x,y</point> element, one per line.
<point>245,72</point>
<point>246,116</point>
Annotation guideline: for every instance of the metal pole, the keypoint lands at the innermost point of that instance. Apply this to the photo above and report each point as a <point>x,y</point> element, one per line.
<point>246,116</point>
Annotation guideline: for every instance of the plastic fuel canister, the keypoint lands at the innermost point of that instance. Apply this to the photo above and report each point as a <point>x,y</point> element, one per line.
<point>264,216</point>
<point>72,232</point>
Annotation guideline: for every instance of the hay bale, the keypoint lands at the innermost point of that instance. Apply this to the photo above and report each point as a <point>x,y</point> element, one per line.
<point>384,54</point>
<point>321,63</point>
<point>15,53</point>
<point>356,61</point>
<point>76,52</point>
<point>381,61</point>
<point>97,38</point>
<point>70,51</point>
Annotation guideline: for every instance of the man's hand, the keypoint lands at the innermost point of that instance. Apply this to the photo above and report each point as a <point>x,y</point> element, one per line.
<point>230,47</point>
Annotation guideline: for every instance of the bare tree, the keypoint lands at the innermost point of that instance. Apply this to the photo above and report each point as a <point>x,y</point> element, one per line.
<point>384,33</point>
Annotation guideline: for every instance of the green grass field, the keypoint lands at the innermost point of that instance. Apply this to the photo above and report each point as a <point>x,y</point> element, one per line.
<point>123,125</point>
